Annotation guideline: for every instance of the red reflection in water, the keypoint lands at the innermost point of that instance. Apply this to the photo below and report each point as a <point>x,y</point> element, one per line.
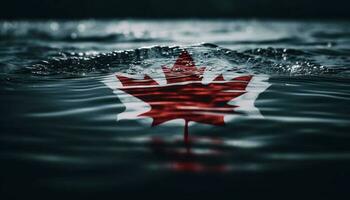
<point>185,159</point>
<point>197,167</point>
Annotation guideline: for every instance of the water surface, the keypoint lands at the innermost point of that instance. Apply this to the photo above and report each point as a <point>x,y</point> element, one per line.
<point>60,138</point>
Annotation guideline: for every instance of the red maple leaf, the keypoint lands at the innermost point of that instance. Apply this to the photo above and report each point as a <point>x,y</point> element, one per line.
<point>184,96</point>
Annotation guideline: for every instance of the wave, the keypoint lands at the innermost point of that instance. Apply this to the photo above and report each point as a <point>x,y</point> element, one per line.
<point>272,61</point>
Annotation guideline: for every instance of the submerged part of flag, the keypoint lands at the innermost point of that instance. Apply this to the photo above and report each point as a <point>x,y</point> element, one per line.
<point>188,95</point>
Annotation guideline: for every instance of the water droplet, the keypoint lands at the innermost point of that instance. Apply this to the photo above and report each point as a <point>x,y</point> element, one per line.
<point>73,35</point>
<point>329,44</point>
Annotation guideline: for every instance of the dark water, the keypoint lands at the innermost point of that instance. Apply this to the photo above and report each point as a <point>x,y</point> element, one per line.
<point>60,138</point>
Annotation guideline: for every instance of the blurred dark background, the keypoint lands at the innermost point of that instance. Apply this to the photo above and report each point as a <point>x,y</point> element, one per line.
<point>76,9</point>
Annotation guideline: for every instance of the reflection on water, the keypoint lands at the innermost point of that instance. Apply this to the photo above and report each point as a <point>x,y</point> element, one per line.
<point>59,133</point>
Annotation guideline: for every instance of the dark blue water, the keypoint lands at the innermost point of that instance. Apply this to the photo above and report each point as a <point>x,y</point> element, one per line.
<point>60,138</point>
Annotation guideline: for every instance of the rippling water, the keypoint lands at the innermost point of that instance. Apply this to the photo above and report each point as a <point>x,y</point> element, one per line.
<point>59,134</point>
